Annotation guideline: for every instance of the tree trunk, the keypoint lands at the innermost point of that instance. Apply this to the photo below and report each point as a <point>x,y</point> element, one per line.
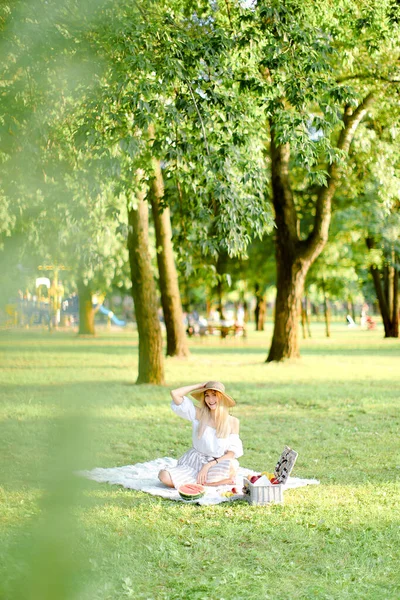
<point>353,311</point>
<point>294,256</point>
<point>386,285</point>
<point>390,291</point>
<point>383,308</point>
<point>260,314</point>
<point>245,311</point>
<point>304,318</point>
<point>151,367</point>
<point>290,287</point>
<point>221,269</point>
<point>169,287</point>
<point>390,314</point>
<point>208,305</point>
<point>260,309</point>
<point>308,310</point>
<point>220,301</point>
<point>327,314</point>
<point>395,316</point>
<point>86,312</point>
<point>350,309</point>
<point>291,270</point>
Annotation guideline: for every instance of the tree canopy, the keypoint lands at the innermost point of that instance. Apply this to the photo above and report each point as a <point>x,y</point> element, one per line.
<point>265,117</point>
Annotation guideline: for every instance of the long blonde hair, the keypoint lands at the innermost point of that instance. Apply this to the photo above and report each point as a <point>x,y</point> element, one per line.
<point>221,417</point>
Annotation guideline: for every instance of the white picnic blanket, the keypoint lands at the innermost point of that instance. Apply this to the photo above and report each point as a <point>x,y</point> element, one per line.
<point>144,477</point>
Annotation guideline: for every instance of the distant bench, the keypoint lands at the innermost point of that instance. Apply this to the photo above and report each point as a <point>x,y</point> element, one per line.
<point>226,330</point>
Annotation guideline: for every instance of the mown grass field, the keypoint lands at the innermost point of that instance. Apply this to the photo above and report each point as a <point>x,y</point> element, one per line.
<point>69,403</point>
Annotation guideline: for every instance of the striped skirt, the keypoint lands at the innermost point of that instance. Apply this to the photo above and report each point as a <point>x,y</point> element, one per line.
<point>192,461</point>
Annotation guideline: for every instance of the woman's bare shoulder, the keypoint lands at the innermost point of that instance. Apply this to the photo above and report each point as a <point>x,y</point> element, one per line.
<point>234,422</point>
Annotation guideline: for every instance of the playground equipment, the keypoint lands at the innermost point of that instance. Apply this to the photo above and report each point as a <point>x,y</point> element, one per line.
<point>41,312</point>
<point>11,315</point>
<point>47,305</point>
<point>49,298</point>
<point>42,281</point>
<point>99,307</point>
<point>110,316</point>
<point>54,295</point>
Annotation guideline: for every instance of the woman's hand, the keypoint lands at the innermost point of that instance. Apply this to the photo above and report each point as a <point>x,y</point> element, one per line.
<point>178,394</point>
<point>202,474</point>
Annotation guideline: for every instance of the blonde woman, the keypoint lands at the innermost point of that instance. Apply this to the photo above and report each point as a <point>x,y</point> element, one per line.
<point>215,435</point>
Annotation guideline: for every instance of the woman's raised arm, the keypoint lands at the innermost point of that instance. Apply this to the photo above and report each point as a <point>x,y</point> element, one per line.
<point>177,395</point>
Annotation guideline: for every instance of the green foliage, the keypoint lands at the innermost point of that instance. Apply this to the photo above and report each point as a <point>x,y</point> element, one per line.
<point>83,81</point>
<point>310,62</point>
<point>175,75</point>
<point>368,202</point>
<point>335,270</point>
<point>55,203</point>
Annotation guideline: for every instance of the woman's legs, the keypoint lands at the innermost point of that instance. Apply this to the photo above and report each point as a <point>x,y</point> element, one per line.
<point>223,473</point>
<point>165,478</point>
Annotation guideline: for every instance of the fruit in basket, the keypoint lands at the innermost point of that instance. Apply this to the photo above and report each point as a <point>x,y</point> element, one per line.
<point>268,475</point>
<point>254,478</point>
<point>191,491</point>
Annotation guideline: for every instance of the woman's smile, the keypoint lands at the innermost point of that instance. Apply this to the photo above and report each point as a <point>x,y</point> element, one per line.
<point>211,400</point>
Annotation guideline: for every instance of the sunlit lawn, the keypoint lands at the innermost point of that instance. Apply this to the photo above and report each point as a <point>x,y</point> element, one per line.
<point>69,403</point>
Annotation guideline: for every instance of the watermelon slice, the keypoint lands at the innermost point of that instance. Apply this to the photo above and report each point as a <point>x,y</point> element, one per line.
<point>191,491</point>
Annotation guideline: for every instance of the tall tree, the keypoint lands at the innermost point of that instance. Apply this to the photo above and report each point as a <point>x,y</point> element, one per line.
<point>151,369</point>
<point>318,70</point>
<point>168,276</point>
<point>167,95</point>
<point>294,255</point>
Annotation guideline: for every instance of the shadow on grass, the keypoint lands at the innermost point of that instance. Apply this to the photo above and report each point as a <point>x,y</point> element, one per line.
<point>62,342</point>
<point>96,347</point>
<point>111,349</point>
<point>255,393</point>
<point>308,395</point>
<point>89,392</point>
<point>390,350</point>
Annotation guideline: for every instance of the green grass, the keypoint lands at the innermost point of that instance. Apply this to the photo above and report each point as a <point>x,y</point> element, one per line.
<point>68,404</point>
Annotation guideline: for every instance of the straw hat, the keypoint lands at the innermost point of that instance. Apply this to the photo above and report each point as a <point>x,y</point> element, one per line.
<point>216,386</point>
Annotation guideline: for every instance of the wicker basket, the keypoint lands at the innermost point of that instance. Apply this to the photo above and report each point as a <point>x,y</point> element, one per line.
<point>263,494</point>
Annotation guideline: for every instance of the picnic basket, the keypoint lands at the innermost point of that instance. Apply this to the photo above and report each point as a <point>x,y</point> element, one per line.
<point>262,491</point>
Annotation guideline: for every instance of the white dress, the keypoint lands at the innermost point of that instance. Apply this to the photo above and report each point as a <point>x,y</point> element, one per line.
<point>204,449</point>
